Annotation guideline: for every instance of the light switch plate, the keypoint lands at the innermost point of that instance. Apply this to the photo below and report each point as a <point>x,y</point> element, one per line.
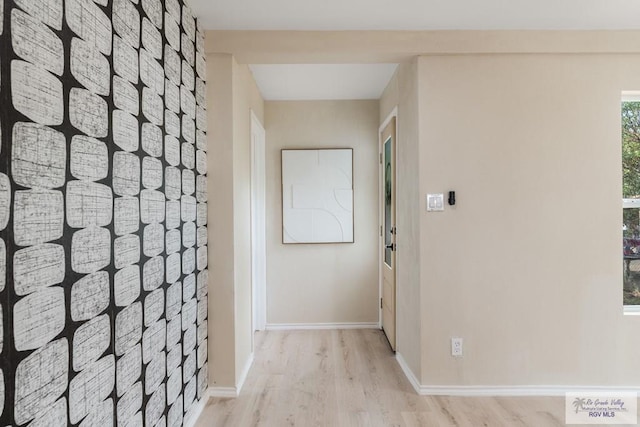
<point>435,202</point>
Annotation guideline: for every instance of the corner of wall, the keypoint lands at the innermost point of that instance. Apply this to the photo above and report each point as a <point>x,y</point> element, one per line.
<point>389,98</point>
<point>222,254</point>
<point>233,94</point>
<point>409,208</point>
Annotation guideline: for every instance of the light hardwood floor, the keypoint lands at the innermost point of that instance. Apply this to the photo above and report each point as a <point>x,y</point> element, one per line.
<point>350,378</point>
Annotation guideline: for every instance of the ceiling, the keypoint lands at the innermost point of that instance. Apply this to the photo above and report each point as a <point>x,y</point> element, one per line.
<point>322,81</point>
<point>417,14</point>
<point>367,81</point>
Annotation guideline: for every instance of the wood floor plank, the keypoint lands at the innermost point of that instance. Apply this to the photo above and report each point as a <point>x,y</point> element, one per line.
<point>349,378</point>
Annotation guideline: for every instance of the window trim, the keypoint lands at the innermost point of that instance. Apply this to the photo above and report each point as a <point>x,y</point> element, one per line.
<point>630,203</point>
<point>631,310</point>
<point>630,96</point>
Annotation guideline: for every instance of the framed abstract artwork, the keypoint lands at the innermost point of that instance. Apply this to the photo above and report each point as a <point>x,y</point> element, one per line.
<point>317,196</point>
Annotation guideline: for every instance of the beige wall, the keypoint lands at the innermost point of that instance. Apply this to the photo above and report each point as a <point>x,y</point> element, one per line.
<point>246,98</point>
<point>220,220</point>
<point>231,95</point>
<point>334,283</point>
<point>408,210</point>
<point>349,47</point>
<point>390,97</point>
<point>526,268</point>
<point>402,92</point>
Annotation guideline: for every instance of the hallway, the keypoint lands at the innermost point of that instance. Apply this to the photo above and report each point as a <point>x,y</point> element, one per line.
<point>350,378</point>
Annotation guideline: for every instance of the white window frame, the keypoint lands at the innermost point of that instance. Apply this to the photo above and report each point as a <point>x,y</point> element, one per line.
<point>630,96</point>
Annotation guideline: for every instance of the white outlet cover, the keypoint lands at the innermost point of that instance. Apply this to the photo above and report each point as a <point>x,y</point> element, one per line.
<point>456,347</point>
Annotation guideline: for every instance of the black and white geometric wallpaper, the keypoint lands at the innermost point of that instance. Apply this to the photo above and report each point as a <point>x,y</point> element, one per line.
<point>103,213</point>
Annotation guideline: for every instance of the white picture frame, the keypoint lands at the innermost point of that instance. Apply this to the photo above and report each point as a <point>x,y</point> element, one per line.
<point>317,196</point>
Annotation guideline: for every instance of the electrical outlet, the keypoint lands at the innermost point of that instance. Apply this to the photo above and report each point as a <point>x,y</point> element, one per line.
<point>456,347</point>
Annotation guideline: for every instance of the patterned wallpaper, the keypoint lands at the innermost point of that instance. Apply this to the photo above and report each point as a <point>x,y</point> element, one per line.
<point>103,213</point>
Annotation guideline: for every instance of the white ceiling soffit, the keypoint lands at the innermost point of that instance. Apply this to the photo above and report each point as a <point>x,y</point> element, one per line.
<point>322,81</point>
<point>328,15</point>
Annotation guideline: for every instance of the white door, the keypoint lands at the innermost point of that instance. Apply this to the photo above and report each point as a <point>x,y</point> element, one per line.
<point>258,224</point>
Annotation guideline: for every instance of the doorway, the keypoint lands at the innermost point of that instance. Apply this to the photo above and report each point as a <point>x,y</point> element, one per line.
<point>388,235</point>
<point>258,225</point>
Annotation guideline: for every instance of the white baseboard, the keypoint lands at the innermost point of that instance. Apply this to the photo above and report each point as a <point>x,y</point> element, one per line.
<point>223,392</point>
<point>244,373</point>
<point>232,392</point>
<point>317,326</point>
<point>408,372</point>
<point>515,391</point>
<point>196,410</point>
<point>220,392</point>
<point>504,391</point>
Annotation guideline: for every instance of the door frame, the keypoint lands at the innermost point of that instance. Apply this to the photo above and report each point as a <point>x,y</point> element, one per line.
<point>258,237</point>
<point>385,123</point>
